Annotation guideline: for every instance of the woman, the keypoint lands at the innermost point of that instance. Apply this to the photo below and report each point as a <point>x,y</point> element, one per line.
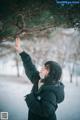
<point>47,91</point>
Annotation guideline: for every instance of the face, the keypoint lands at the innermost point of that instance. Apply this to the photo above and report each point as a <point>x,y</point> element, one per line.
<point>44,72</point>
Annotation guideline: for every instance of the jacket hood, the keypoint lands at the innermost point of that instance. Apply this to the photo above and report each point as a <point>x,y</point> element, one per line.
<point>57,89</point>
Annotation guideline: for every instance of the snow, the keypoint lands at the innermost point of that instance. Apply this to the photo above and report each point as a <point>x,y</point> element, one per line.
<point>13,90</point>
<point>68,31</point>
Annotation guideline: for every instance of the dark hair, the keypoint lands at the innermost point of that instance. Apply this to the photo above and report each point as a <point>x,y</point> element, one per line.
<point>55,71</point>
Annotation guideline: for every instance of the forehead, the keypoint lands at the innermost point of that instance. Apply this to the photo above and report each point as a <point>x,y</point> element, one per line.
<point>44,67</point>
<point>40,67</point>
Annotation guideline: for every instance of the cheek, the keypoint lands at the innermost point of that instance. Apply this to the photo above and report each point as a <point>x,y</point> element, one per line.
<point>45,72</point>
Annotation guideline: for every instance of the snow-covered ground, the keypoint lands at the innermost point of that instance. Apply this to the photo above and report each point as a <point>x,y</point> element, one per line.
<point>13,90</point>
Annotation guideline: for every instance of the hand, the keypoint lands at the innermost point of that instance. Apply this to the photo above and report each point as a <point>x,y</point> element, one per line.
<point>18,45</point>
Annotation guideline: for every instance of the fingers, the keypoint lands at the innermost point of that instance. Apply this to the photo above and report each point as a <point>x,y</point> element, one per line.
<point>17,41</point>
<point>18,45</point>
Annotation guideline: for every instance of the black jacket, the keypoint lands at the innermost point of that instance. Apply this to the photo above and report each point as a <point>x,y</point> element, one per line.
<point>42,103</point>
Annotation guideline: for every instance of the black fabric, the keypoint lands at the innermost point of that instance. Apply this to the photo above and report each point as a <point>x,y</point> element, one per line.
<point>33,116</point>
<point>30,68</point>
<point>42,103</point>
<point>44,106</point>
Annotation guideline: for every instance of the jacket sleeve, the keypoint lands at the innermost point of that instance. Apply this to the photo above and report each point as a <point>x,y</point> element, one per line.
<point>44,106</point>
<point>29,67</point>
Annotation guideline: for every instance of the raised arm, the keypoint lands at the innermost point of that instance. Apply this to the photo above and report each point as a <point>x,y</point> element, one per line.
<point>29,67</point>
